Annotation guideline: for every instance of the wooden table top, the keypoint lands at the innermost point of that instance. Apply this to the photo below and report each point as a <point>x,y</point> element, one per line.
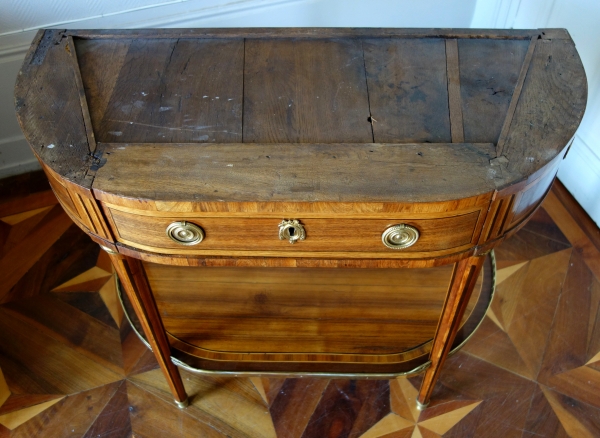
<point>300,115</point>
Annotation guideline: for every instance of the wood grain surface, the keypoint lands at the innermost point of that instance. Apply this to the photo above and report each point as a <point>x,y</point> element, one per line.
<point>305,92</point>
<point>489,70</point>
<point>550,106</point>
<point>408,91</point>
<point>293,173</point>
<point>299,310</point>
<point>169,90</point>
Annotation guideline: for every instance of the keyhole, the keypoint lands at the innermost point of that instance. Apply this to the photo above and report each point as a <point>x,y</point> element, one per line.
<point>291,231</point>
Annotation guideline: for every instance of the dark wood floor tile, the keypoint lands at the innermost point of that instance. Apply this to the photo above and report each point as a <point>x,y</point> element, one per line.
<point>19,231</point>
<point>37,363</point>
<point>527,245</point>
<point>89,303</point>
<point>137,358</point>
<point>17,402</point>
<point>78,330</point>
<point>70,255</point>
<point>4,432</point>
<point>405,433</point>
<point>16,205</point>
<point>426,433</point>
<point>27,252</point>
<point>343,406</point>
<point>272,388</point>
<point>503,354</point>
<point>113,421</point>
<point>573,231</point>
<point>564,366</point>
<point>578,419</point>
<point>70,417</point>
<point>534,307</point>
<point>294,405</point>
<point>523,308</point>
<point>541,419</point>
<point>18,187</point>
<point>151,417</point>
<point>231,405</point>
<point>505,396</point>
<point>542,224</point>
<point>4,232</point>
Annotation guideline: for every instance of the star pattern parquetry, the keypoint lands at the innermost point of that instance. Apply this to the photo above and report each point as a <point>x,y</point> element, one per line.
<point>405,417</point>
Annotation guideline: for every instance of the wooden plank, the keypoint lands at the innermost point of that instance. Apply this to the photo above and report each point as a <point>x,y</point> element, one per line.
<point>99,63</point>
<point>49,109</point>
<point>293,173</point>
<point>454,97</point>
<point>85,112</point>
<point>176,91</point>
<point>408,91</point>
<point>489,70</point>
<point>550,107</point>
<point>299,91</point>
<point>307,32</point>
<point>515,97</point>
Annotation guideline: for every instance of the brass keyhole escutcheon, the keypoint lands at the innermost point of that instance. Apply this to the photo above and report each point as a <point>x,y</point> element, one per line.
<point>400,236</point>
<point>185,233</point>
<point>291,230</point>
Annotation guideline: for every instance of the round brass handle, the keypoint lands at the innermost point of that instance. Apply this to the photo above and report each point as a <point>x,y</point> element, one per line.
<point>185,233</point>
<point>291,230</point>
<point>400,236</point>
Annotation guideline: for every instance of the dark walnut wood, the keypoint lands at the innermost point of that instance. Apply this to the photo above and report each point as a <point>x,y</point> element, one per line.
<point>455,132</point>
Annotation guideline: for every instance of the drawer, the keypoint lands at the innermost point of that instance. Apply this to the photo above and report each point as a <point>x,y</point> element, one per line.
<point>321,234</point>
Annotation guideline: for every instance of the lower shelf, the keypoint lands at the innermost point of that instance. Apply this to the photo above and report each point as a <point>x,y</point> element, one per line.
<point>367,322</point>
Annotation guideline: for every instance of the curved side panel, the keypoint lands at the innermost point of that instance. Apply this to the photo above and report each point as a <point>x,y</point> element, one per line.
<point>550,106</point>
<point>48,107</point>
<point>80,205</point>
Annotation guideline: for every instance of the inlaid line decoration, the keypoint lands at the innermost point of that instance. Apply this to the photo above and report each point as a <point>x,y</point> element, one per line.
<point>454,101</point>
<point>87,120</point>
<point>515,97</point>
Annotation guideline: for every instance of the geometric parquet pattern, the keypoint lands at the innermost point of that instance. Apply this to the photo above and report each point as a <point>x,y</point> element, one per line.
<point>70,365</point>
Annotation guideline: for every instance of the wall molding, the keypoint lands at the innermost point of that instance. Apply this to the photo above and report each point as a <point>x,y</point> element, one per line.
<point>179,13</point>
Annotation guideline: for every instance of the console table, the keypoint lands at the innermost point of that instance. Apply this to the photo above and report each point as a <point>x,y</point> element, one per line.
<point>262,192</point>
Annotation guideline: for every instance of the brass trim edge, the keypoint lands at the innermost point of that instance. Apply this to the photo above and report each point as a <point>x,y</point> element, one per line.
<point>108,250</point>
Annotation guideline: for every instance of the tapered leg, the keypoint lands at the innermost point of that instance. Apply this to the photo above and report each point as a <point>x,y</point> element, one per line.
<point>134,281</point>
<point>464,277</point>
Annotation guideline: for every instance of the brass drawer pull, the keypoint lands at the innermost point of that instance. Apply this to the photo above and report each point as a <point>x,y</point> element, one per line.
<point>291,230</point>
<point>185,233</point>
<point>400,236</point>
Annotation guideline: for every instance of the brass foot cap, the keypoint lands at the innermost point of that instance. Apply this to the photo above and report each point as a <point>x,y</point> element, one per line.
<point>421,406</point>
<point>182,404</point>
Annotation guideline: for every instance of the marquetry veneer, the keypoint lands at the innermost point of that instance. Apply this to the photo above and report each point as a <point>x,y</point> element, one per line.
<point>453,135</point>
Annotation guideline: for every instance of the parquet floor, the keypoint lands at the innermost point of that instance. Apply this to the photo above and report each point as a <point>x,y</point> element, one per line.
<point>71,366</point>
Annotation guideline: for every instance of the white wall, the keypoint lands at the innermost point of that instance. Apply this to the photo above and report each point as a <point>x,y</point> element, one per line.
<point>20,19</point>
<point>580,172</point>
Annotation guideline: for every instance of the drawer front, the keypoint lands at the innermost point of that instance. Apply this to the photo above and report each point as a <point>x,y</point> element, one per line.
<point>322,234</point>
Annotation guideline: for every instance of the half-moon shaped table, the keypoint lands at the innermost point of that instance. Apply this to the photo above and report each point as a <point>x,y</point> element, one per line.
<point>261,192</point>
